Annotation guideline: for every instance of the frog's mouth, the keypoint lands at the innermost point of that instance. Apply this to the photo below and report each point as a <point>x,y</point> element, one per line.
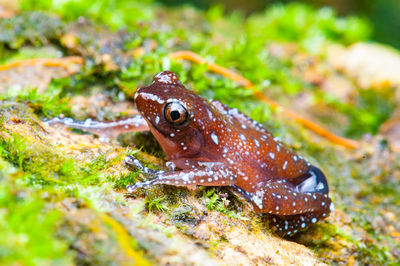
<point>172,147</point>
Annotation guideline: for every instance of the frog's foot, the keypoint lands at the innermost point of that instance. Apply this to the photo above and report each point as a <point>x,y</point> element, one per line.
<point>132,162</point>
<point>131,188</point>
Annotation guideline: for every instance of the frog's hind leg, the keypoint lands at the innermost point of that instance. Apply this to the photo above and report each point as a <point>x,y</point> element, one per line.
<point>288,225</point>
<point>280,197</point>
<point>104,129</point>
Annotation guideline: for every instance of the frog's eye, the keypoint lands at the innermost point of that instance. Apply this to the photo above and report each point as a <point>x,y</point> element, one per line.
<point>175,113</point>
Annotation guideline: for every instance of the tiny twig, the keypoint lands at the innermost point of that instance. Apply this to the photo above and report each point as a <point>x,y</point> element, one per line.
<point>49,62</point>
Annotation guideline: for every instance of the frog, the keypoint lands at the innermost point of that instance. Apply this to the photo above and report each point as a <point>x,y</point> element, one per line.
<point>207,143</point>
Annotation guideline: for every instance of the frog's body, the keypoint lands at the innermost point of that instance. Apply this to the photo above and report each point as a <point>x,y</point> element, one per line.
<point>214,145</point>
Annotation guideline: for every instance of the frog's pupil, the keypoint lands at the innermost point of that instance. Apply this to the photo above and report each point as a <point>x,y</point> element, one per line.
<point>175,115</point>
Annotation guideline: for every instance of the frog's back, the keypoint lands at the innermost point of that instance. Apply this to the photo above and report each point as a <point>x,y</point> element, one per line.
<point>253,152</point>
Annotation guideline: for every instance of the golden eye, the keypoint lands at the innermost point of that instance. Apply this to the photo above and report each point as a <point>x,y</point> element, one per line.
<point>175,113</point>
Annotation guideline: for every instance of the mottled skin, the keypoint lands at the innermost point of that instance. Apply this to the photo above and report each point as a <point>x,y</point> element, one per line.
<point>214,145</point>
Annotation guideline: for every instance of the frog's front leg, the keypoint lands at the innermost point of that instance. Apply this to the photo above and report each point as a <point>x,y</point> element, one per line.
<point>211,175</point>
<point>135,163</point>
<point>104,129</point>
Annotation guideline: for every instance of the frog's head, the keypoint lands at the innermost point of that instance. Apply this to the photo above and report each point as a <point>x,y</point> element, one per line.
<point>170,110</point>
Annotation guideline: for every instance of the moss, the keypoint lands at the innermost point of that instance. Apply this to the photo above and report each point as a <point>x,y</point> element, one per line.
<point>147,143</point>
<point>44,164</point>
<point>24,147</point>
<point>124,12</point>
<point>156,204</point>
<point>370,109</point>
<point>32,217</point>
<point>222,202</point>
<point>125,180</point>
<point>34,28</point>
<point>28,52</point>
<point>28,226</point>
<point>308,26</point>
<point>50,103</point>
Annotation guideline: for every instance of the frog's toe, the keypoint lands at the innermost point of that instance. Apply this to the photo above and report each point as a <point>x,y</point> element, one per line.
<point>134,163</point>
<point>133,187</point>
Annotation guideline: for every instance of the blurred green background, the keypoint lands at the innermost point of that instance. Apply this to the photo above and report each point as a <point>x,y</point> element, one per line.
<point>384,15</point>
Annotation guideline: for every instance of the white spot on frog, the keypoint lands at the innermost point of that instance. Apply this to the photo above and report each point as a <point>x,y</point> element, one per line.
<point>214,137</point>
<point>151,97</point>
<point>284,165</point>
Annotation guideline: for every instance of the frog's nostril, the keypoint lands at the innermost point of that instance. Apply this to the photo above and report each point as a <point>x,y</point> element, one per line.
<point>315,182</point>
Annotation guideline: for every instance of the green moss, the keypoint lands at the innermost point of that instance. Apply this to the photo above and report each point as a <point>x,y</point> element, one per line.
<point>32,190</point>
<point>124,13</point>
<point>28,226</point>
<point>50,103</point>
<point>28,52</point>
<point>44,165</point>
<point>374,251</point>
<point>146,143</point>
<point>33,28</point>
<point>125,180</point>
<point>156,204</point>
<point>214,201</point>
<point>310,27</point>
<point>368,111</point>
<point>245,50</point>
